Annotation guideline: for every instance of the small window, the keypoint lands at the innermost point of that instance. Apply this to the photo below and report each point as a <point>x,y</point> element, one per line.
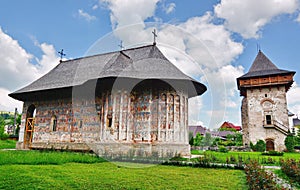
<point>268,119</point>
<point>53,123</point>
<point>80,124</point>
<point>109,120</point>
<point>266,95</point>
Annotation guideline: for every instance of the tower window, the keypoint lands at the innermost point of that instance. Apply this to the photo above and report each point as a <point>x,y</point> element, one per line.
<point>266,95</point>
<point>268,119</point>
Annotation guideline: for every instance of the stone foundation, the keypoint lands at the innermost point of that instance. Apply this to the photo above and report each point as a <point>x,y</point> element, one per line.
<point>112,150</point>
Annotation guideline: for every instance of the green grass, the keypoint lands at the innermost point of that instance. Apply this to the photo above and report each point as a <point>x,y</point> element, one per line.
<point>107,175</point>
<point>7,144</point>
<point>67,170</point>
<point>221,157</point>
<point>44,157</point>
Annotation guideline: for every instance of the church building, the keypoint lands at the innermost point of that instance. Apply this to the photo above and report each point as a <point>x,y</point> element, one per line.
<point>129,102</point>
<point>264,106</point>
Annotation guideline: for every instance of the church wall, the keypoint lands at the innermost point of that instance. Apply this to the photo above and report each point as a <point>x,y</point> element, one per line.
<point>147,117</point>
<point>259,103</point>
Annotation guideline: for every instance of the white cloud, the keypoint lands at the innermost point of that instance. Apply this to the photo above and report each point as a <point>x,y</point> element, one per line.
<point>7,103</point>
<point>16,69</point>
<point>298,18</point>
<point>198,47</point>
<point>293,99</point>
<point>169,8</point>
<point>95,7</point>
<point>86,16</point>
<point>249,16</point>
<point>127,12</point>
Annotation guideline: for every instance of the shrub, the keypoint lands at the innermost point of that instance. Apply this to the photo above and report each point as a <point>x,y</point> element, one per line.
<point>260,146</point>
<point>258,178</point>
<point>291,168</point>
<point>289,143</point>
<point>223,149</point>
<point>272,153</point>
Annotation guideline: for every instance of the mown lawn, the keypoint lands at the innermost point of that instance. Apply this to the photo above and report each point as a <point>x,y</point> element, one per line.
<point>7,144</point>
<point>222,157</point>
<point>66,170</point>
<point>107,175</point>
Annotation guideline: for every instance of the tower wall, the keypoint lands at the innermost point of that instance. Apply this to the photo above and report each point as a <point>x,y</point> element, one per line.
<point>262,109</point>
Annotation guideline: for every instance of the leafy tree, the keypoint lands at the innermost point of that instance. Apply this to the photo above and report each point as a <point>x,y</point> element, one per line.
<point>191,137</point>
<point>198,139</point>
<point>227,129</point>
<point>207,140</point>
<point>290,142</point>
<point>2,124</point>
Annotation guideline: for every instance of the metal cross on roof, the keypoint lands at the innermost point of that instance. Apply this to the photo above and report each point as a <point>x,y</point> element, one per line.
<point>154,36</point>
<point>61,53</point>
<point>121,45</point>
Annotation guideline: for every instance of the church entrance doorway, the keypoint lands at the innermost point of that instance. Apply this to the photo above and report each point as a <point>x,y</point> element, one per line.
<point>29,126</point>
<point>270,145</point>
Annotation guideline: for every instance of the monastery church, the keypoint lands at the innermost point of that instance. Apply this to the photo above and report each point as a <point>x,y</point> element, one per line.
<point>133,101</point>
<point>264,106</point>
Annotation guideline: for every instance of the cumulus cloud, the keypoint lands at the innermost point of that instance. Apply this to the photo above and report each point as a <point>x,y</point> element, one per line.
<point>127,12</point>
<point>86,16</point>
<point>169,8</point>
<point>298,18</point>
<point>198,47</point>
<point>249,16</point>
<point>293,99</point>
<point>17,70</point>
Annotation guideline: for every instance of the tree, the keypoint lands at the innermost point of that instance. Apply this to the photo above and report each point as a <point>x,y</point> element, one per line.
<point>290,142</point>
<point>207,140</point>
<point>191,137</point>
<point>198,139</point>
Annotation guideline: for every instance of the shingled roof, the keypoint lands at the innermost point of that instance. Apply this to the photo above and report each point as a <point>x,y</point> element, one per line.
<point>146,62</point>
<point>262,66</point>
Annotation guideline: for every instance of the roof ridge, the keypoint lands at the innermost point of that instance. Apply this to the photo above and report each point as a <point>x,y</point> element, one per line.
<point>262,63</point>
<point>106,53</point>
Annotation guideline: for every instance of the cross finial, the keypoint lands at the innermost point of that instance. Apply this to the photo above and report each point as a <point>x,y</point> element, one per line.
<point>154,36</point>
<point>121,45</point>
<point>61,53</point>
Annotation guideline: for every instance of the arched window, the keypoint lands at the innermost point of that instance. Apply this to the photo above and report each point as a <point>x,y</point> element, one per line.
<point>53,123</point>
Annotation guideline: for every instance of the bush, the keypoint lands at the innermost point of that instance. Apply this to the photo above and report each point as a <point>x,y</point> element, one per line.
<point>289,143</point>
<point>223,149</point>
<point>258,178</point>
<point>272,153</point>
<point>291,168</point>
<point>260,146</point>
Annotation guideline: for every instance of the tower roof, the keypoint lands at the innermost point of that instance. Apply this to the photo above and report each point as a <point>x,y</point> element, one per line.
<point>263,66</point>
<point>146,62</point>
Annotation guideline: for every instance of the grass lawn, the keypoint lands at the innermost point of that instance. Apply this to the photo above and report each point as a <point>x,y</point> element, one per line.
<point>221,157</point>
<point>107,175</point>
<point>7,144</point>
<point>66,170</point>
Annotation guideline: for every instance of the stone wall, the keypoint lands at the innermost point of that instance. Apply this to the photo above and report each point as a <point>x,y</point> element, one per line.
<point>259,103</point>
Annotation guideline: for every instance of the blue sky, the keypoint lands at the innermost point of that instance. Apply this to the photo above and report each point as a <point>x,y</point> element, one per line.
<point>212,41</point>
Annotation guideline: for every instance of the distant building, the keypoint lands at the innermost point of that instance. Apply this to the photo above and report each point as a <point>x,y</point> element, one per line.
<point>202,131</point>
<point>228,125</point>
<point>264,106</point>
<point>296,126</point>
<point>197,129</point>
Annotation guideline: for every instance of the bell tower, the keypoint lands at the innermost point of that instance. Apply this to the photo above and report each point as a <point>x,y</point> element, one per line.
<point>264,106</point>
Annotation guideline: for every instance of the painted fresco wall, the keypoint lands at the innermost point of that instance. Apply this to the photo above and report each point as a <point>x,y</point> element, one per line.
<point>141,116</point>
